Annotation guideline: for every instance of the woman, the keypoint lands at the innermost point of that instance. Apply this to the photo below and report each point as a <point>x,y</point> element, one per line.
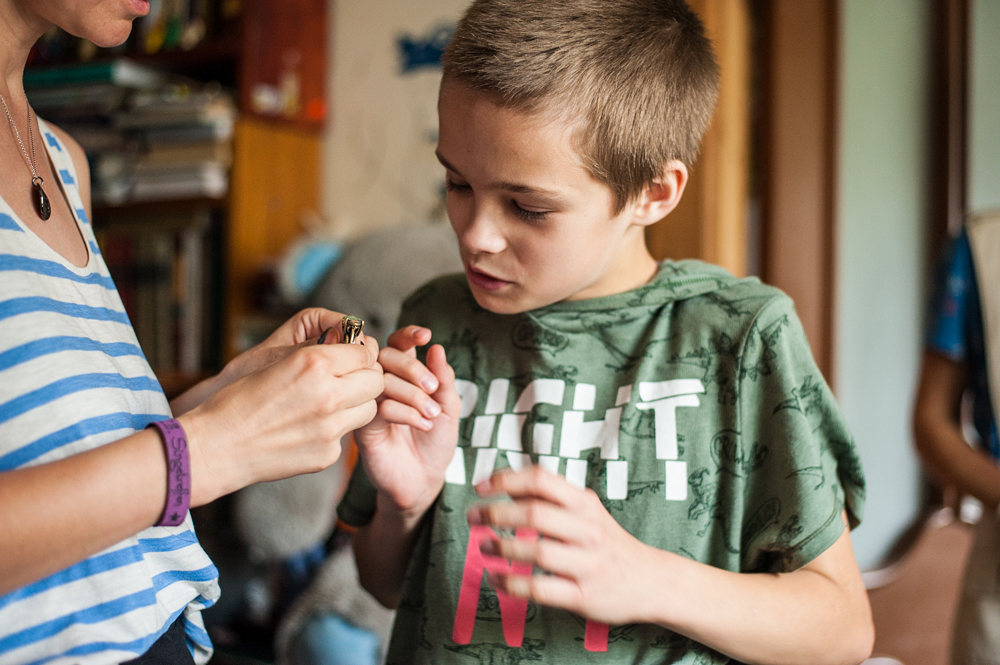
<point>85,576</point>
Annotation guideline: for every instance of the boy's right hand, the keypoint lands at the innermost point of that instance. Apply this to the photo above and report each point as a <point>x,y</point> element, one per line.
<point>408,446</point>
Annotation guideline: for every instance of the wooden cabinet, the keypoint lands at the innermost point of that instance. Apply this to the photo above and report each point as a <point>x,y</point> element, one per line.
<point>283,57</point>
<point>275,181</point>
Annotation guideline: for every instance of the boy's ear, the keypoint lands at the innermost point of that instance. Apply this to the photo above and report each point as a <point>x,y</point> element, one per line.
<point>660,198</point>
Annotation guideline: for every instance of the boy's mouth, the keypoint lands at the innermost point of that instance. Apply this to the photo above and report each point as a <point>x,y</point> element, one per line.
<point>483,280</point>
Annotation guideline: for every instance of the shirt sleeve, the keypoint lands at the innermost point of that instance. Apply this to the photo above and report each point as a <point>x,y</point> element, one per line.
<point>801,467</point>
<point>949,311</point>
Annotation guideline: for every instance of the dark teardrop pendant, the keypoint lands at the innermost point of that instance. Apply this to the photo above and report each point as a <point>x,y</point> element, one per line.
<point>42,205</point>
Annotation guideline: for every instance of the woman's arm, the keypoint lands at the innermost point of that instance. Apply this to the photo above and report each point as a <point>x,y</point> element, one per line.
<point>937,430</point>
<point>57,514</point>
<point>276,411</point>
<point>284,419</point>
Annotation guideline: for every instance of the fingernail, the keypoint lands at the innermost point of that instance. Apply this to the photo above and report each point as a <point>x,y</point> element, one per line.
<point>488,547</point>
<point>322,338</point>
<point>473,516</point>
<point>483,487</point>
<point>432,410</point>
<point>429,383</point>
<point>426,423</point>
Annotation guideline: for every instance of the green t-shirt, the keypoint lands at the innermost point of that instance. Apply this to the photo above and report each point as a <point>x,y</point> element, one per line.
<point>691,405</point>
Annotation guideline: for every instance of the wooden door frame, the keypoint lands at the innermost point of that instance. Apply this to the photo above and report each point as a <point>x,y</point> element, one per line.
<point>798,161</point>
<point>710,221</point>
<point>949,119</point>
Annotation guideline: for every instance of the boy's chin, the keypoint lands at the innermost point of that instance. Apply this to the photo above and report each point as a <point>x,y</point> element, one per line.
<point>498,304</point>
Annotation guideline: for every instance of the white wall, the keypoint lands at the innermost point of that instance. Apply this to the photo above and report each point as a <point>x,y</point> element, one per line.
<point>882,203</point>
<point>378,155</point>
<point>984,106</point>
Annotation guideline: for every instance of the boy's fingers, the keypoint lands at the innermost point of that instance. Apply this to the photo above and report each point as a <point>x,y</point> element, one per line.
<point>406,393</point>
<point>408,338</point>
<point>533,482</point>
<point>549,590</point>
<point>549,555</point>
<point>447,394</point>
<point>409,369</point>
<point>400,414</point>
<point>546,518</point>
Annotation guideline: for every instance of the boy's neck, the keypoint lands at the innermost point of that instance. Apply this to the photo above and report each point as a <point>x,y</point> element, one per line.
<point>631,268</point>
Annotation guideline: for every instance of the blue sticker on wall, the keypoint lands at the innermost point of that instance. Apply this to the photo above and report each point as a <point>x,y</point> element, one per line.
<point>423,52</point>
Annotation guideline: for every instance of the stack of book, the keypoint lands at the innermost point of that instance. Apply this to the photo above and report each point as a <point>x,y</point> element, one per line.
<point>84,99</point>
<point>181,146</point>
<point>148,138</point>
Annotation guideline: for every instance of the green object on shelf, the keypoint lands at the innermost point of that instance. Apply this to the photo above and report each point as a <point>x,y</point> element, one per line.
<point>121,72</point>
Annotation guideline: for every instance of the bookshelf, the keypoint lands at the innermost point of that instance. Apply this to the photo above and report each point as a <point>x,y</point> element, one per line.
<point>269,58</point>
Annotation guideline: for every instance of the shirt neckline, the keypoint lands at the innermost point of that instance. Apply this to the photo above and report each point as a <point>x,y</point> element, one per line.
<point>88,267</point>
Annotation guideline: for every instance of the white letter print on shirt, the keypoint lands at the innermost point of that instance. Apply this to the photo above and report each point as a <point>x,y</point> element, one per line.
<point>576,434</point>
<point>663,398</point>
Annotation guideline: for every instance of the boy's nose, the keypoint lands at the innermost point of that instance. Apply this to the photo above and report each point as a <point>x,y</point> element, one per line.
<point>482,236</point>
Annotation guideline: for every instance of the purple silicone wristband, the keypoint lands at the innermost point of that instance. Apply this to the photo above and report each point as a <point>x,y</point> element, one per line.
<point>178,472</point>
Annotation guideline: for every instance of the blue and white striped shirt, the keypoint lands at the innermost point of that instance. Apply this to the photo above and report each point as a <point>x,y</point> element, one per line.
<point>72,378</point>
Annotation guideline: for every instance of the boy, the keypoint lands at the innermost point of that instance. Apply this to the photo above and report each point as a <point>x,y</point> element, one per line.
<point>680,477</point>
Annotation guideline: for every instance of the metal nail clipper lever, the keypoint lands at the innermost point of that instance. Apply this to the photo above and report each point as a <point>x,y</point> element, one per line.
<point>351,329</point>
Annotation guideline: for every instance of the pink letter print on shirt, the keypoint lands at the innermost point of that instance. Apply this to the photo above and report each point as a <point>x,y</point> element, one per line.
<point>513,611</point>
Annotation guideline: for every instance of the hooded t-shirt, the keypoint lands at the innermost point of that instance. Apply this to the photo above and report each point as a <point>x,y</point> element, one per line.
<point>691,406</point>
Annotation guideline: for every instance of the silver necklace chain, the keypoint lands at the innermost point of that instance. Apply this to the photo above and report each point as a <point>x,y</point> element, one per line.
<point>31,141</point>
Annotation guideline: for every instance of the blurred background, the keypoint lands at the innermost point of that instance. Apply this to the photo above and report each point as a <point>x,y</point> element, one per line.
<point>250,157</point>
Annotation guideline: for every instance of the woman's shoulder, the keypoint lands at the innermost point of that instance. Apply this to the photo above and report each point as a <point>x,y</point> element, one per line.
<point>77,156</point>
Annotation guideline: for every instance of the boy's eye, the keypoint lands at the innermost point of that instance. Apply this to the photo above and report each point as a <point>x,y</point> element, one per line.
<point>529,215</point>
<point>453,186</point>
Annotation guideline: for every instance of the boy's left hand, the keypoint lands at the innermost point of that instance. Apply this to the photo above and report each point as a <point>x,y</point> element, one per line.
<point>599,570</point>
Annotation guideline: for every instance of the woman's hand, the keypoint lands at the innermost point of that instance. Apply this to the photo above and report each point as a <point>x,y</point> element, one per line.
<point>302,329</point>
<point>408,446</point>
<point>286,414</point>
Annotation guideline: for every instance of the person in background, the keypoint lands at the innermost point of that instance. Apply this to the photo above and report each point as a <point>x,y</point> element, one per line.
<point>962,340</point>
<point>99,562</point>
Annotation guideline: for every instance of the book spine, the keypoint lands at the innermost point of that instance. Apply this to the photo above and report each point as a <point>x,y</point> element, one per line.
<point>192,310</point>
<point>162,292</point>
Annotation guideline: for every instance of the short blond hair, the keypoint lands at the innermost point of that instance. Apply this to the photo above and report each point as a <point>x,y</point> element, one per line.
<point>640,76</point>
